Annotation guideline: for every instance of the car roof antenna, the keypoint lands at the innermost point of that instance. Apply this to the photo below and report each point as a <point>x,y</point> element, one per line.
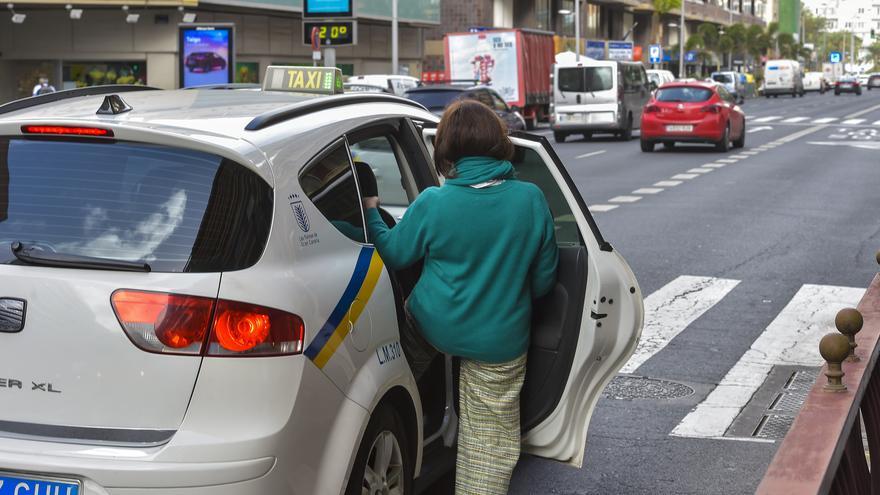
<point>113,105</point>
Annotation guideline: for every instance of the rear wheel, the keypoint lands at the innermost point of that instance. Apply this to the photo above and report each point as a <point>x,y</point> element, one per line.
<point>740,142</point>
<point>383,463</point>
<point>627,132</point>
<point>559,137</point>
<point>724,144</point>
<point>647,146</point>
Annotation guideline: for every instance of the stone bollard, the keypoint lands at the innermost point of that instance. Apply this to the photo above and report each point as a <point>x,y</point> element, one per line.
<point>834,348</point>
<point>849,322</point>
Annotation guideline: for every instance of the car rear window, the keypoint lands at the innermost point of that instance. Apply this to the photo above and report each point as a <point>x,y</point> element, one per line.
<point>683,94</point>
<point>585,79</point>
<point>434,100</point>
<point>177,210</point>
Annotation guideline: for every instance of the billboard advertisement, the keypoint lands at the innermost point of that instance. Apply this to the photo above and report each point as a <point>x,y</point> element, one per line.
<point>206,52</point>
<point>620,50</point>
<point>486,58</point>
<point>328,8</point>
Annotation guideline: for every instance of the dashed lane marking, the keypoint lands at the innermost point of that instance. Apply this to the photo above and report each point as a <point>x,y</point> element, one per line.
<point>716,165</point>
<point>739,157</point>
<point>667,183</point>
<point>684,176</point>
<point>624,199</point>
<point>876,123</point>
<point>790,339</point>
<point>826,120</point>
<point>700,170</point>
<point>750,153</point>
<point>648,190</point>
<point>727,160</point>
<point>672,308</point>
<point>759,129</point>
<point>853,121</point>
<point>600,208</point>
<point>585,155</point>
<point>795,119</point>
<point>768,119</point>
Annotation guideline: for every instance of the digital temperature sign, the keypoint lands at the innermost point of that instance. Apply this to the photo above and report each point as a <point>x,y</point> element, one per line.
<point>331,33</point>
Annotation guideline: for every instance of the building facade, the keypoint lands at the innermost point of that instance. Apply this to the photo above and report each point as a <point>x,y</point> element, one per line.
<point>860,17</point>
<point>103,46</point>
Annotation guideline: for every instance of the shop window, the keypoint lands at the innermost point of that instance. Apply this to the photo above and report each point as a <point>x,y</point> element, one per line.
<point>82,74</point>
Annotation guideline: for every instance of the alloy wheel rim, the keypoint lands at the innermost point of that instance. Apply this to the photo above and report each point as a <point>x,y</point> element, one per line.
<point>383,473</point>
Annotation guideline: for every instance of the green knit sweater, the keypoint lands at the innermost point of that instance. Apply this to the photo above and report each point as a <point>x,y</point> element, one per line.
<point>487,253</point>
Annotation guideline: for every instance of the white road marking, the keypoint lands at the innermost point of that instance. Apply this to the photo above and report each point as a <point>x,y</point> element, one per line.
<point>792,338</point>
<point>648,190</point>
<point>599,208</point>
<point>739,157</point>
<point>716,165</point>
<point>825,120</point>
<point>750,152</point>
<point>852,121</point>
<point>768,119</point>
<point>759,129</point>
<point>864,145</point>
<point>667,183</point>
<point>700,170</point>
<point>862,112</point>
<point>795,119</point>
<point>590,154</point>
<point>684,176</point>
<point>672,308</point>
<point>727,160</point>
<point>876,123</point>
<point>624,199</point>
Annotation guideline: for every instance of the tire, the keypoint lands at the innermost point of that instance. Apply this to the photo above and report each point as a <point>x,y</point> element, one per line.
<point>776,96</point>
<point>724,144</point>
<point>669,145</point>
<point>647,146</point>
<point>627,132</point>
<point>740,142</point>
<point>767,96</point>
<point>385,431</point>
<point>588,136</point>
<point>794,94</point>
<point>559,137</point>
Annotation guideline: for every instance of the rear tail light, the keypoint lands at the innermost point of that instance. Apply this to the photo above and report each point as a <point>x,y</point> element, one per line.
<point>63,130</point>
<point>711,109</point>
<point>192,325</point>
<point>652,109</point>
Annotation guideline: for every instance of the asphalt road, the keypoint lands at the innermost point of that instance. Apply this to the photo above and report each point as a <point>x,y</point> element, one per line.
<point>801,211</point>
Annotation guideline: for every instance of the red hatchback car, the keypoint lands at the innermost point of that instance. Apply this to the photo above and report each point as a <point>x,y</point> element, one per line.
<point>693,112</point>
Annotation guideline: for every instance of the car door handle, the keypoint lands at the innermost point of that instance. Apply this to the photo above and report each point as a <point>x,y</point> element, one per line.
<point>597,316</point>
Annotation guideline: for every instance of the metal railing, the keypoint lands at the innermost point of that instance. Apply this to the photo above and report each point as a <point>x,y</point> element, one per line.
<point>826,452</point>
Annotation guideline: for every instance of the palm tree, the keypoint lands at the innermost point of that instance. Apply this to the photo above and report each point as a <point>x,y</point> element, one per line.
<point>710,37</point>
<point>661,8</point>
<point>874,53</point>
<point>737,34</point>
<point>755,43</point>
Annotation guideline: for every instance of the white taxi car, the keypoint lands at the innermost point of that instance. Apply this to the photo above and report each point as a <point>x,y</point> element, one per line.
<point>190,305</point>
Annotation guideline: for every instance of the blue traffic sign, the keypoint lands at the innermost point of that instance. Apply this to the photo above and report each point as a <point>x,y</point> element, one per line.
<point>834,57</point>
<point>655,54</point>
<point>690,56</point>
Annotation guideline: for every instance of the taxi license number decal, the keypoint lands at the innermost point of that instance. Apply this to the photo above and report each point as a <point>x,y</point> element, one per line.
<point>321,80</point>
<point>19,485</point>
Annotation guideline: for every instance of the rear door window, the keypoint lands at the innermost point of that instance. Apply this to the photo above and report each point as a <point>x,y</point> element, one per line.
<point>330,184</point>
<point>585,79</point>
<point>177,210</point>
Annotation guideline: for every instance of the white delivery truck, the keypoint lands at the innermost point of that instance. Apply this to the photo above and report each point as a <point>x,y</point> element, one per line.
<point>783,77</point>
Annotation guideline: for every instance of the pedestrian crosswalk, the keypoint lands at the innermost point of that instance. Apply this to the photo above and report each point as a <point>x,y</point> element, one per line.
<point>781,119</point>
<point>791,339</point>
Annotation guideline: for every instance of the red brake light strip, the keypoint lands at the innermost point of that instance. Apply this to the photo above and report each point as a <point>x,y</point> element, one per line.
<point>60,130</point>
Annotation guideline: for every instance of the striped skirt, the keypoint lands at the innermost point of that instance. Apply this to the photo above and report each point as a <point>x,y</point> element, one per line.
<point>489,429</point>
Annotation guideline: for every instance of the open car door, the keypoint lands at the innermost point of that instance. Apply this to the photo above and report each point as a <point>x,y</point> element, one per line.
<point>586,328</point>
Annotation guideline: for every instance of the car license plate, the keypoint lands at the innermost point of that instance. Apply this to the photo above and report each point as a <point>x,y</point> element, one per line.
<point>13,484</point>
<point>571,117</point>
<point>679,128</point>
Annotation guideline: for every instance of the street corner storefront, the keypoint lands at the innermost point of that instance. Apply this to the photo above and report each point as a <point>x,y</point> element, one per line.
<point>182,43</point>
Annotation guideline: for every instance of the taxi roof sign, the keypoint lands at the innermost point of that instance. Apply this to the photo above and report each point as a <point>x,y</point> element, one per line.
<point>318,80</point>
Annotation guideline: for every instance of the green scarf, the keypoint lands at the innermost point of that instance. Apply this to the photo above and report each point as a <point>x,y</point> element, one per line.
<point>478,169</point>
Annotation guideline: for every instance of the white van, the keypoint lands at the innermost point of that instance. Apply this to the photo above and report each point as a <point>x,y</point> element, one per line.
<point>395,84</point>
<point>783,77</point>
<point>598,96</point>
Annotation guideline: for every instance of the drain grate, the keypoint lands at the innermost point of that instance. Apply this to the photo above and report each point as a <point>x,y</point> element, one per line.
<point>639,387</point>
<point>773,426</point>
<point>788,403</point>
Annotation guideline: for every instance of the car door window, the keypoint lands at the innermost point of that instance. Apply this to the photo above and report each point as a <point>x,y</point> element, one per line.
<point>530,167</point>
<point>330,184</point>
<point>378,153</point>
<point>498,103</point>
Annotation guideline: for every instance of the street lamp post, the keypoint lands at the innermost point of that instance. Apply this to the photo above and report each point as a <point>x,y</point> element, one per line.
<point>681,73</point>
<point>577,28</point>
<point>395,62</point>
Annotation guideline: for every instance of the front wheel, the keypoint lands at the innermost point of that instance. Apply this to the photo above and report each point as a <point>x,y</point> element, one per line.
<point>627,132</point>
<point>383,463</point>
<point>647,146</point>
<point>724,144</point>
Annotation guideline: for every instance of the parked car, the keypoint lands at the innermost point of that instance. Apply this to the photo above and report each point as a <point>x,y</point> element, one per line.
<point>398,85</point>
<point>732,81</point>
<point>204,62</point>
<point>437,97</point>
<point>660,76</point>
<point>598,96</point>
<point>873,81</point>
<point>815,81</point>
<point>357,87</point>
<point>848,84</point>
<point>783,77</point>
<point>695,112</point>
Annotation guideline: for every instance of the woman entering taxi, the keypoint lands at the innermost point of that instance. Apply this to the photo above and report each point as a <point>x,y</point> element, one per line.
<point>489,248</point>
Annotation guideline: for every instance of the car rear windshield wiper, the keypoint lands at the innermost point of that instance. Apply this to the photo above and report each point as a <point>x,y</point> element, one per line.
<point>40,257</point>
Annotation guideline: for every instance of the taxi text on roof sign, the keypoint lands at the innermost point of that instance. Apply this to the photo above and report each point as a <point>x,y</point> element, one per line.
<point>321,80</point>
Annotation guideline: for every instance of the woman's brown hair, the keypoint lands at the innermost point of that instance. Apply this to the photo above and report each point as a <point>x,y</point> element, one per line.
<point>469,128</point>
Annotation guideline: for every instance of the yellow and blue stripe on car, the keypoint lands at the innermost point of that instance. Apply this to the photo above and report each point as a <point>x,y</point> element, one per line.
<point>345,314</point>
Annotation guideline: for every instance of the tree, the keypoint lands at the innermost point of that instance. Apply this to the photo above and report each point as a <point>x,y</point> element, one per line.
<point>661,8</point>
<point>710,37</point>
<point>874,54</point>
